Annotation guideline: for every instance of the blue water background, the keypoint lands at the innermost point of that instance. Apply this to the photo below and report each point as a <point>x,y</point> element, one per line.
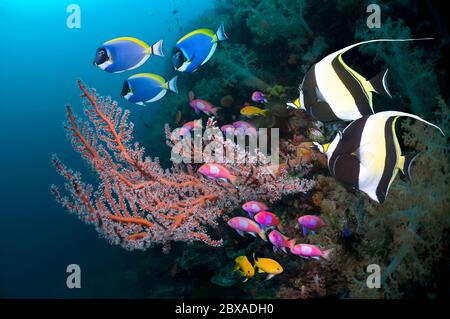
<point>40,60</point>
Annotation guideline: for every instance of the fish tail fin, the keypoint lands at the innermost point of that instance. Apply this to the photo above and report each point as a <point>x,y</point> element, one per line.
<point>254,261</point>
<point>291,243</point>
<point>379,84</point>
<point>406,163</point>
<point>220,34</point>
<point>262,234</point>
<point>214,110</point>
<point>326,254</point>
<point>280,228</point>
<point>157,49</point>
<point>263,112</point>
<point>172,84</point>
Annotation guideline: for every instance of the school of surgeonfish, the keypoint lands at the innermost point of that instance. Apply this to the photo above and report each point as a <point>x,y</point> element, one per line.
<point>128,53</point>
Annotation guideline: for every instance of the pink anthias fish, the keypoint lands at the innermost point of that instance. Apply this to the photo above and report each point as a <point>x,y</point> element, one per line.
<point>228,129</point>
<point>244,225</point>
<point>267,219</point>
<point>280,242</point>
<point>187,127</point>
<point>254,207</point>
<point>310,251</point>
<point>311,223</point>
<point>200,105</point>
<point>259,97</point>
<point>244,127</point>
<point>217,171</point>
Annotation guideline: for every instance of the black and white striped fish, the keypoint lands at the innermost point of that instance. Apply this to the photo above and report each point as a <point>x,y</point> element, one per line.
<point>366,155</point>
<point>332,91</point>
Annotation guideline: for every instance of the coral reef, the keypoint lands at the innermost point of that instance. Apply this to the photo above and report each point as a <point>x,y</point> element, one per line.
<point>138,203</point>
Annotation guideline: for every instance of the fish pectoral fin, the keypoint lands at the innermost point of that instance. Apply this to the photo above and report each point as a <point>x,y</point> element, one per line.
<point>316,258</point>
<point>240,232</point>
<point>260,270</point>
<point>270,276</point>
<point>245,280</point>
<point>253,234</point>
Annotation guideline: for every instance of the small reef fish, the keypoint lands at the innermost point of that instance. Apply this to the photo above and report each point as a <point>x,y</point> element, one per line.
<point>332,91</point>
<point>228,129</point>
<point>267,219</point>
<point>367,155</point>
<point>196,48</point>
<point>254,207</point>
<point>243,127</point>
<point>250,111</point>
<point>244,225</point>
<point>310,251</point>
<point>259,97</point>
<point>126,53</point>
<point>217,171</point>
<point>200,105</point>
<point>268,266</point>
<point>279,241</point>
<point>147,87</point>
<point>311,223</point>
<point>244,267</point>
<point>187,127</point>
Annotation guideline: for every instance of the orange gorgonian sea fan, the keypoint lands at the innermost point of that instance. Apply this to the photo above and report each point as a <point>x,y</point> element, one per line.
<point>138,203</point>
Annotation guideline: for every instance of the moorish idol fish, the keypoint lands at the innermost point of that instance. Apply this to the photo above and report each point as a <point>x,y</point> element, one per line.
<point>126,53</point>
<point>366,155</point>
<point>147,87</point>
<point>196,48</point>
<point>332,91</point>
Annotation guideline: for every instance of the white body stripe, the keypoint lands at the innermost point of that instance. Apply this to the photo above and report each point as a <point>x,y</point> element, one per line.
<point>334,92</point>
<point>372,154</point>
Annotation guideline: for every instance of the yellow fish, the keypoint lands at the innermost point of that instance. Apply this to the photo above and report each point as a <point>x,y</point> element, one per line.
<point>269,266</point>
<point>250,111</point>
<point>244,267</point>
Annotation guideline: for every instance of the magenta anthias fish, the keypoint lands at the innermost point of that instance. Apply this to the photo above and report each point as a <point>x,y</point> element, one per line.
<point>244,225</point>
<point>310,251</point>
<point>254,207</point>
<point>267,219</point>
<point>200,105</point>
<point>187,127</point>
<point>279,241</point>
<point>243,127</point>
<point>228,129</point>
<point>217,171</point>
<point>259,97</point>
<point>311,223</point>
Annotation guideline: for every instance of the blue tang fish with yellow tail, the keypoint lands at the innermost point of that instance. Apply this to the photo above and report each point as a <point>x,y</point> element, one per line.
<point>147,87</point>
<point>126,53</point>
<point>196,48</point>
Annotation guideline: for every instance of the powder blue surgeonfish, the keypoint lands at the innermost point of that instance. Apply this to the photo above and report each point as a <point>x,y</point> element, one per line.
<point>196,48</point>
<point>147,87</point>
<point>126,53</point>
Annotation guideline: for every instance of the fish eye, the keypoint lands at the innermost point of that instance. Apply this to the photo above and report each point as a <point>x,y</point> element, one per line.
<point>178,59</point>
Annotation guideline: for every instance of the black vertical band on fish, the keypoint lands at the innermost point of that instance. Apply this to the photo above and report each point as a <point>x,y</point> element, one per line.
<point>353,85</point>
<point>390,162</point>
<point>318,109</point>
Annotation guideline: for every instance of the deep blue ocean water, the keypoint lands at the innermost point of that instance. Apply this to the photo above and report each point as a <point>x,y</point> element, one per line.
<point>40,60</point>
